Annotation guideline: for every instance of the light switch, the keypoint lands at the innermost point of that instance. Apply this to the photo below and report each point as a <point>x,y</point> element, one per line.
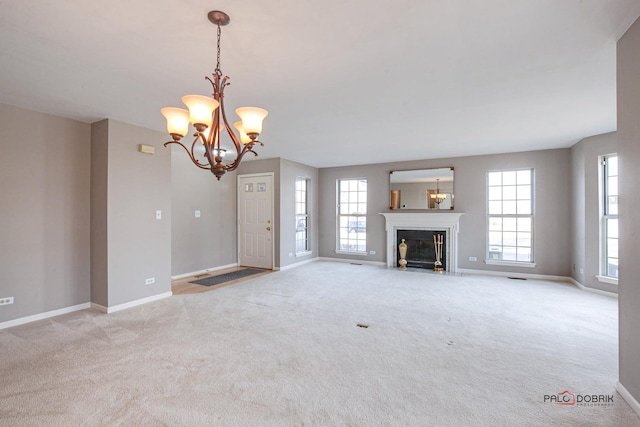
<point>197,214</point>
<point>158,214</point>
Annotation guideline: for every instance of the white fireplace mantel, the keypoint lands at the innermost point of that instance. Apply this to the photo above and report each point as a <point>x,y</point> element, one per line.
<point>448,221</point>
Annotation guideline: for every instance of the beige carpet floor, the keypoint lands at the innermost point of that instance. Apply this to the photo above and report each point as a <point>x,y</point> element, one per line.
<point>285,349</point>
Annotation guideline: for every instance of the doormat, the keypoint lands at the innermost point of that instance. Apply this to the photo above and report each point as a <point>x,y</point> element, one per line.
<point>227,277</point>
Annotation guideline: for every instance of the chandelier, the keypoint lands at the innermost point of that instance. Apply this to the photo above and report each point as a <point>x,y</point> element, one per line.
<point>208,117</point>
<point>438,197</point>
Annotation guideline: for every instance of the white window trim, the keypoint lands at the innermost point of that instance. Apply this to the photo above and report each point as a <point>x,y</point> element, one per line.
<point>341,251</point>
<point>607,279</point>
<point>602,236</point>
<point>350,252</point>
<point>306,214</point>
<point>532,215</point>
<point>510,263</point>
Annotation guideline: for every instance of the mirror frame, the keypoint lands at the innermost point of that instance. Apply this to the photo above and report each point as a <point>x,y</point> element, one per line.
<point>420,175</point>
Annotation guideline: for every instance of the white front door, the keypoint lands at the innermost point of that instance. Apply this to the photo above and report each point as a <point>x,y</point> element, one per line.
<point>255,228</point>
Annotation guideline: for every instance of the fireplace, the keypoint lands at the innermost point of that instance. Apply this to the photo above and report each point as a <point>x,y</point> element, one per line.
<point>421,251</point>
<point>446,223</point>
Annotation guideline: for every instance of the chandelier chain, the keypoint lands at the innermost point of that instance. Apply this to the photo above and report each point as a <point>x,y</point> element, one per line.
<point>218,59</point>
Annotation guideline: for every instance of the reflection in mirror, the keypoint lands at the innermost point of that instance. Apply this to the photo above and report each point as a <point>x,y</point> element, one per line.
<point>422,189</point>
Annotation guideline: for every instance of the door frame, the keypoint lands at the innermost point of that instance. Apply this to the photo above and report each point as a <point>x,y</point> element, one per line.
<point>273,220</point>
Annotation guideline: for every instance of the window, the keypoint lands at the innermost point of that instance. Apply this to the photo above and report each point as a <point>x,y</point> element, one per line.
<point>510,217</point>
<point>352,216</point>
<point>302,217</point>
<point>609,223</point>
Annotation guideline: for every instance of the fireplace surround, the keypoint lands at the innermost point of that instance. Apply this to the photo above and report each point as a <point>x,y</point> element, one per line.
<point>434,221</point>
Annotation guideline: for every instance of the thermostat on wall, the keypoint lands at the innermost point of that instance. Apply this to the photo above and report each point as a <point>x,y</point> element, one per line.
<point>147,149</point>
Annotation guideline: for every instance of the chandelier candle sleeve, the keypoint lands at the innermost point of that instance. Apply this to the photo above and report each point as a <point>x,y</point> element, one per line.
<point>208,116</point>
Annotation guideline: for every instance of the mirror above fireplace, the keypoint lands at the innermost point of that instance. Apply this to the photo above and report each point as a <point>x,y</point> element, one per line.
<point>422,189</point>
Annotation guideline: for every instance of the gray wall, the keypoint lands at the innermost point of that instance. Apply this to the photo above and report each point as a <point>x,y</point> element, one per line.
<point>289,171</point>
<point>585,203</point>
<point>628,57</point>
<point>44,206</point>
<point>99,213</point>
<point>209,241</point>
<point>138,245</point>
<point>552,210</point>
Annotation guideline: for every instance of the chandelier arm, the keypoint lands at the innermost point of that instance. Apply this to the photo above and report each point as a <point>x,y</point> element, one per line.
<point>231,133</point>
<point>247,149</point>
<point>193,159</point>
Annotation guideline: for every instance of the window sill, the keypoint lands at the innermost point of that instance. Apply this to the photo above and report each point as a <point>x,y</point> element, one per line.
<point>351,253</point>
<point>607,279</point>
<point>305,253</point>
<point>510,263</point>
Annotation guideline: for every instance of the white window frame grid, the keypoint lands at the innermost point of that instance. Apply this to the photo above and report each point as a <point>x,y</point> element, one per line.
<point>511,217</point>
<point>351,226</point>
<point>302,217</point>
<point>606,215</point>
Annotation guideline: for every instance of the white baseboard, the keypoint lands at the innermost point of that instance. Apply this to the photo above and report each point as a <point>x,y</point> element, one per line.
<point>296,264</point>
<point>42,316</point>
<point>507,274</point>
<point>207,270</point>
<point>571,280</point>
<point>130,304</point>
<point>628,398</point>
<point>353,261</point>
<point>594,290</point>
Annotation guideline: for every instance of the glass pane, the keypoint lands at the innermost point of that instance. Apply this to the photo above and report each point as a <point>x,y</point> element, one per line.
<point>509,224</point>
<point>509,238</point>
<point>495,193</point>
<point>524,207</point>
<point>612,267</point>
<point>509,253</point>
<point>495,208</point>
<point>509,208</point>
<point>612,228</point>
<point>495,238</point>
<point>524,254</point>
<point>509,192</point>
<point>362,185</point>
<point>495,223</point>
<point>612,248</point>
<point>612,186</point>
<point>509,178</point>
<point>524,224</point>
<point>524,177</point>
<point>495,178</point>
<point>524,240</point>
<point>524,192</point>
<point>353,185</point>
<point>612,205</point>
<point>612,165</point>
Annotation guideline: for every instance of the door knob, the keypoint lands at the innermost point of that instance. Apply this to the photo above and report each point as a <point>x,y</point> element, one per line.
<point>268,228</point>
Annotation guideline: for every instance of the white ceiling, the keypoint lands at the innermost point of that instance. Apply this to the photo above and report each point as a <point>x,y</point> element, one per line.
<point>345,82</point>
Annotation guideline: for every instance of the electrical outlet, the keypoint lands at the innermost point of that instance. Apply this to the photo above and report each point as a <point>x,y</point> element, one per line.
<point>372,252</point>
<point>6,301</point>
<point>197,214</point>
<point>150,281</point>
<point>472,258</point>
<point>582,271</point>
<point>158,214</point>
